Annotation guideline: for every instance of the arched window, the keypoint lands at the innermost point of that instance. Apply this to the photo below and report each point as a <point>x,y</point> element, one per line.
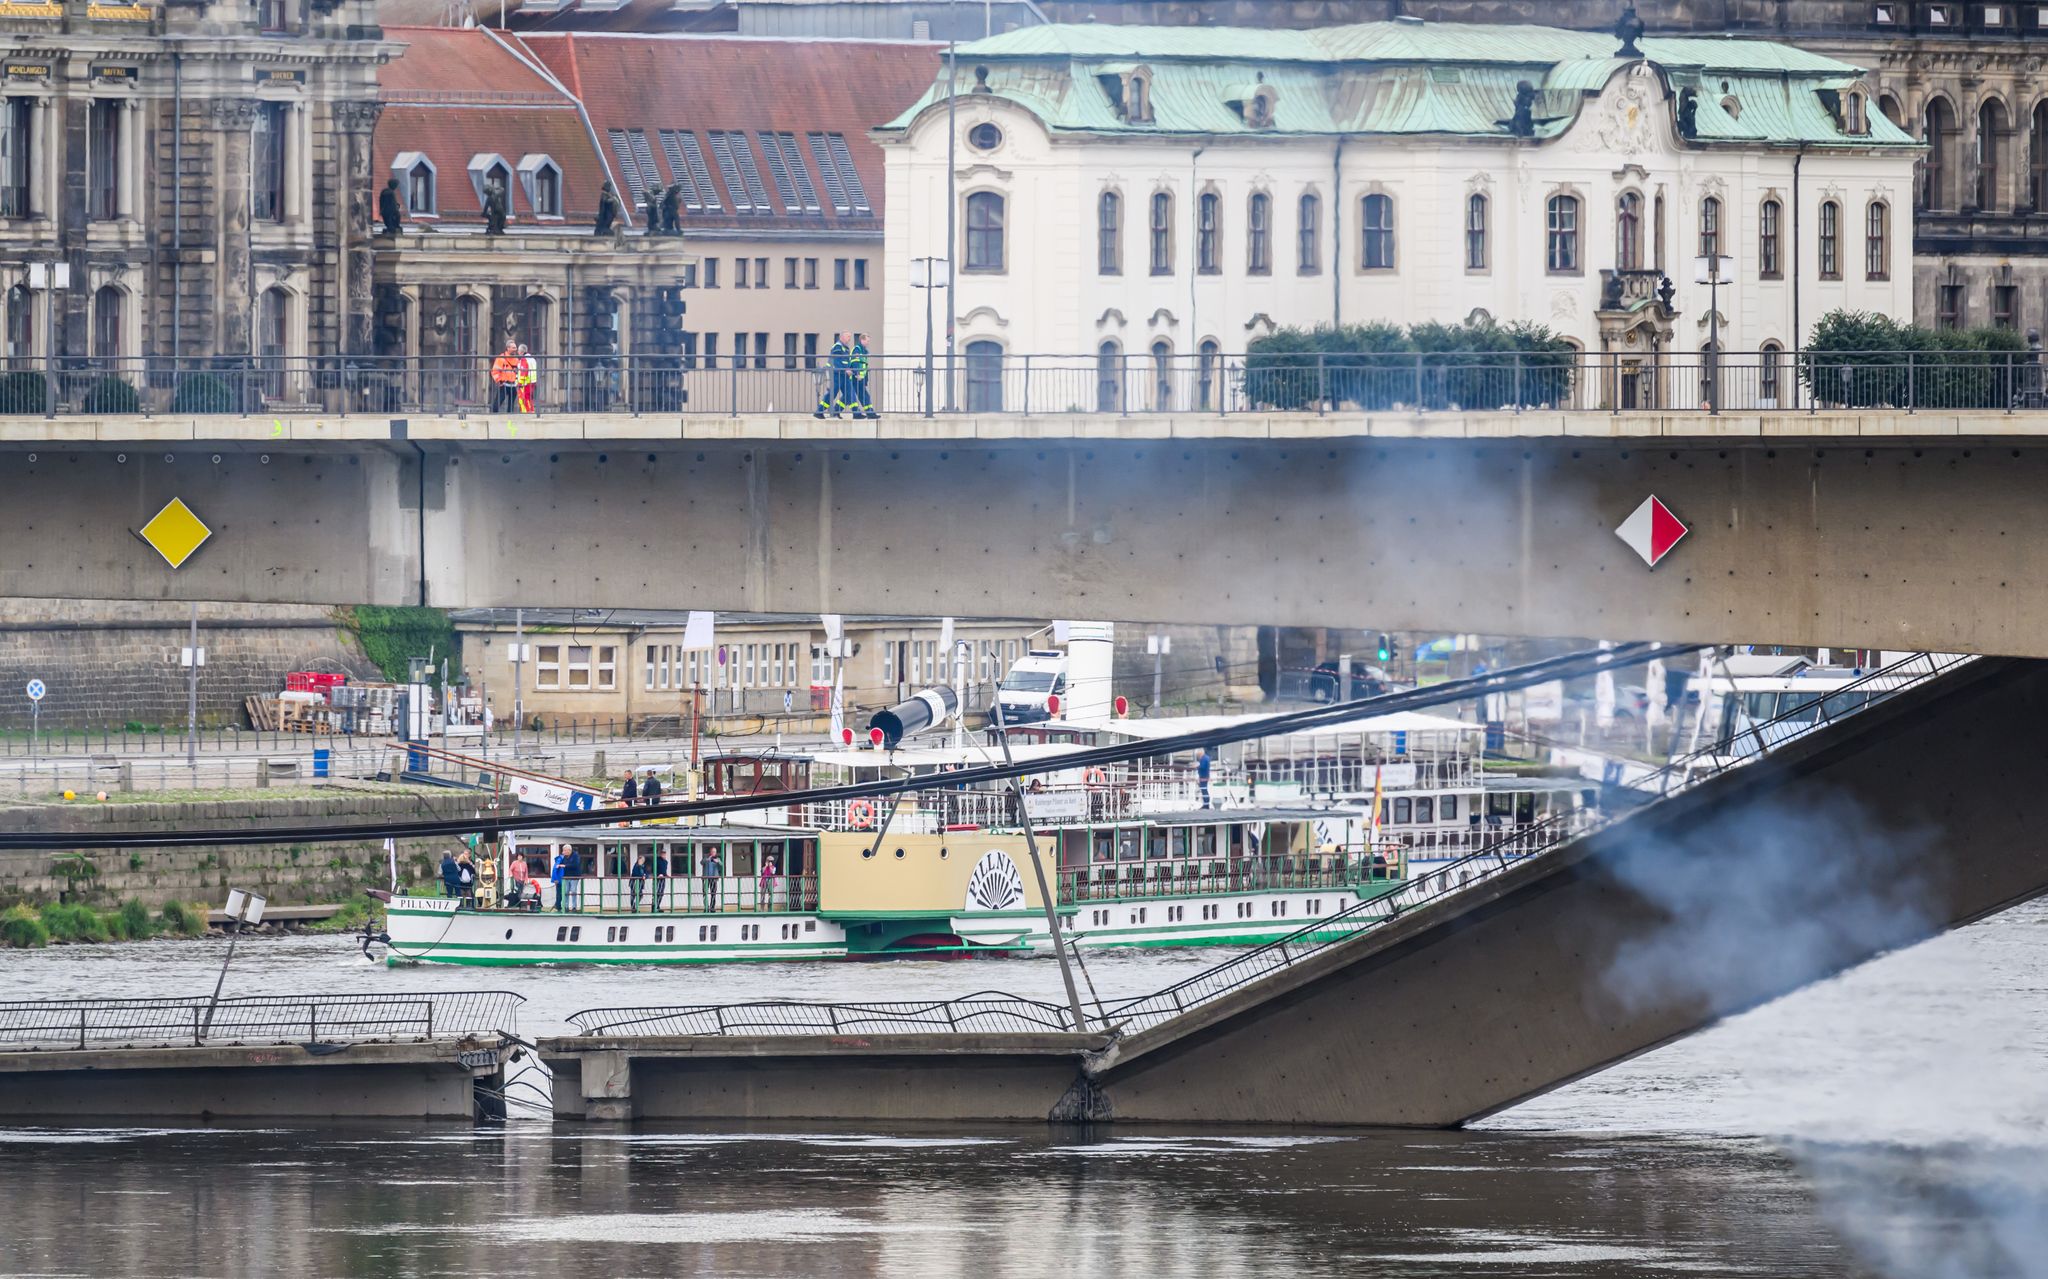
<point>984,231</point>
<point>537,322</point>
<point>1109,234</point>
<point>1258,233</point>
<point>106,323</point>
<point>21,325</point>
<point>2037,159</point>
<point>1991,132</point>
<point>1770,214</point>
<point>1891,110</point>
<point>468,325</point>
<point>1855,114</point>
<point>1376,232</point>
<point>1830,240</point>
<point>267,161</point>
<point>984,377</point>
<point>1657,231</point>
<point>1205,385</point>
<point>1628,232</point>
<point>1475,232</point>
<point>1309,251</point>
<point>1162,375</point>
<point>1208,233</point>
<point>1561,235</point>
<point>1937,175</point>
<point>1162,233</point>
<point>419,189</point>
<point>1710,227</point>
<point>1109,378</point>
<point>273,339</point>
<point>1767,374</point>
<point>1877,262</point>
<point>1138,98</point>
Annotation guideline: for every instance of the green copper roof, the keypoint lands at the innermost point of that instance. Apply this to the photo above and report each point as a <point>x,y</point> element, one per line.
<point>1393,78</point>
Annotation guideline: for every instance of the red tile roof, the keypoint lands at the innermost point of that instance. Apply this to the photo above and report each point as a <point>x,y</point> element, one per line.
<point>455,94</point>
<point>697,84</point>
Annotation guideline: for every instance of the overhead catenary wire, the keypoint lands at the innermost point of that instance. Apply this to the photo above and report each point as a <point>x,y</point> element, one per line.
<point>1510,679</point>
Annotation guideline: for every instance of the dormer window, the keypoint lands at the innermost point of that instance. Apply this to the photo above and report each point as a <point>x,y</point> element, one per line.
<point>1129,90</point>
<point>1856,114</point>
<point>541,178</point>
<point>488,167</point>
<point>416,182</point>
<point>1255,103</point>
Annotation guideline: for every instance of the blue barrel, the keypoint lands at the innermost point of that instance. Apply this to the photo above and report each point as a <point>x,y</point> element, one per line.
<point>321,756</point>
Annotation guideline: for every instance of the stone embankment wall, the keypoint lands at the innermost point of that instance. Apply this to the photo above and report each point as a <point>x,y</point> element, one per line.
<point>287,874</point>
<point>112,662</point>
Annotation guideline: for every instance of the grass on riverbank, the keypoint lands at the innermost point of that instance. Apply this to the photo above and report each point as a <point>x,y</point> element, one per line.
<point>218,795</point>
<point>22,927</point>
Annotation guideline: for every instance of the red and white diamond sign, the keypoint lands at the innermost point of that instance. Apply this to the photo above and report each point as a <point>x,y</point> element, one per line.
<point>1651,530</point>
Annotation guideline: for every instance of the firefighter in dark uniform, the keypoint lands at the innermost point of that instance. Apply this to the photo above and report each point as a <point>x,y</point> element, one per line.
<point>838,395</point>
<point>863,401</point>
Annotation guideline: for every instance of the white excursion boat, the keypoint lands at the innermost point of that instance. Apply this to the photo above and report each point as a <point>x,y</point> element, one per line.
<point>1283,833</point>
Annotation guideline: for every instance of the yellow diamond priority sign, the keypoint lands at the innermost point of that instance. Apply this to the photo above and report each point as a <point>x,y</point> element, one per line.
<point>175,532</point>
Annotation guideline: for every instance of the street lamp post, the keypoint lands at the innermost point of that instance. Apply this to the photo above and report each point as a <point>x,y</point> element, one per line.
<point>1712,270</point>
<point>925,274</point>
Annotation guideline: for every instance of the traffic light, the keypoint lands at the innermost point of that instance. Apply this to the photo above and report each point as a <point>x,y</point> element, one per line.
<point>1386,649</point>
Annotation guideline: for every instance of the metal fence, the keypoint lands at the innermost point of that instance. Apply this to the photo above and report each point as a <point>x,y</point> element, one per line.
<point>986,1012</point>
<point>1494,857</point>
<point>1110,382</point>
<point>255,1019</point>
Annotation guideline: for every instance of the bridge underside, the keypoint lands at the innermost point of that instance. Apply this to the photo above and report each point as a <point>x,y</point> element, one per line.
<point>1868,541</point>
<point>1867,835</point>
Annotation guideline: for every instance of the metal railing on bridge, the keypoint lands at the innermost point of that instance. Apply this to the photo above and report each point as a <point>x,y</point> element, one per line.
<point>990,1012</point>
<point>1475,868</point>
<point>1110,382</point>
<point>195,1021</point>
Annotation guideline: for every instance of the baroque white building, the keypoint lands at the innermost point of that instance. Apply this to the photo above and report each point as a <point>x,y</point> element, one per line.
<point>1147,197</point>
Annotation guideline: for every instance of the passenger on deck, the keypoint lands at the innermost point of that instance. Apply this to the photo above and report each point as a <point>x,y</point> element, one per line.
<point>558,875</point>
<point>769,874</point>
<point>650,790</point>
<point>451,875</point>
<point>572,877</point>
<point>660,878</point>
<point>639,873</point>
<point>713,868</point>
<point>519,885</point>
<point>1202,765</point>
<point>466,877</point>
<point>629,792</point>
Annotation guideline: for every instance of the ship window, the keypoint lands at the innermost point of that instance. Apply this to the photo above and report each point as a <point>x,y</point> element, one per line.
<point>702,931</point>
<point>576,933</point>
<point>508,934</point>
<point>1425,809</point>
<point>562,933</point>
<point>714,932</point>
<point>1404,811</point>
<point>611,934</point>
<point>1449,808</point>
<point>622,934</point>
<point>810,925</point>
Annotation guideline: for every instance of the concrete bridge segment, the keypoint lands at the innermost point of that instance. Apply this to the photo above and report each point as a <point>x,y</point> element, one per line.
<point>1879,530</point>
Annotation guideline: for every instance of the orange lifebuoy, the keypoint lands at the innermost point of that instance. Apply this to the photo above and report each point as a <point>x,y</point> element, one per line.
<point>860,814</point>
<point>1095,777</point>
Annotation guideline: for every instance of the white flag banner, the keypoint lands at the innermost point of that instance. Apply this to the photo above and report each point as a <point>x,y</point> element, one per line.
<point>946,637</point>
<point>835,628</point>
<point>697,632</point>
<point>838,707</point>
<point>391,851</point>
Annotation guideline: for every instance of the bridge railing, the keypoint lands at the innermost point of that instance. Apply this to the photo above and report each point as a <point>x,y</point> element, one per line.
<point>195,1021</point>
<point>1543,837</point>
<point>1110,382</point>
<point>990,1011</point>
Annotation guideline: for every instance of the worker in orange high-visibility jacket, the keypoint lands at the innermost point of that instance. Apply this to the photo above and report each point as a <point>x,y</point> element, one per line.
<point>505,379</point>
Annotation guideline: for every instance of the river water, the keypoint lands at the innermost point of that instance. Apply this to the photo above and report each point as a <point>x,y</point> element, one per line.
<point>1891,1122</point>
